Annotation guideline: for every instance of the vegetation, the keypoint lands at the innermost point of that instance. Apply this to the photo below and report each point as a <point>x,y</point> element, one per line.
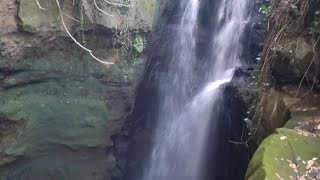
<point>282,91</point>
<point>124,34</point>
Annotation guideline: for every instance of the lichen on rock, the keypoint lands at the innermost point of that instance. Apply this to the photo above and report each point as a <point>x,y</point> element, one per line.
<point>284,155</point>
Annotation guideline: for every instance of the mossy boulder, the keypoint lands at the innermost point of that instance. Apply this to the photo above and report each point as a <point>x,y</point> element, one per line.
<point>285,154</point>
<point>293,60</point>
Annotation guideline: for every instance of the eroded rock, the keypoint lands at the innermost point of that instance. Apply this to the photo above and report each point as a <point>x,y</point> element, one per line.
<point>295,61</point>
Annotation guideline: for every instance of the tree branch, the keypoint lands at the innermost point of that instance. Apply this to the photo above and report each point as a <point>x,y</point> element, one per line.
<point>116,4</point>
<point>95,3</point>
<point>84,48</point>
<point>39,5</point>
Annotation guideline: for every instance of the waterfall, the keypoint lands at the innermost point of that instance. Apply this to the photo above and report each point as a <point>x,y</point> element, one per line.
<point>184,118</point>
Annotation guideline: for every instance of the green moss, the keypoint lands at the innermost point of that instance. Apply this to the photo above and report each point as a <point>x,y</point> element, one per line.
<point>73,121</point>
<point>74,102</point>
<point>138,44</point>
<point>273,155</point>
<point>147,6</point>
<point>11,108</point>
<point>147,10</point>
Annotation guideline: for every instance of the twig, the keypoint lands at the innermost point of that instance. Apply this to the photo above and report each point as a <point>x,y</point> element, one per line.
<point>235,142</point>
<point>70,17</point>
<point>84,48</point>
<point>241,143</point>
<point>39,5</point>
<point>116,4</point>
<point>95,3</point>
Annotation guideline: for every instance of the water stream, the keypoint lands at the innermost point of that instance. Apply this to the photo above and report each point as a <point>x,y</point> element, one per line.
<point>184,118</point>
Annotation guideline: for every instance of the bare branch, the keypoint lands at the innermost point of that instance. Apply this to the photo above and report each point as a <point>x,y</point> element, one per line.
<point>70,17</point>
<point>39,5</point>
<point>84,48</point>
<point>116,4</point>
<point>95,3</point>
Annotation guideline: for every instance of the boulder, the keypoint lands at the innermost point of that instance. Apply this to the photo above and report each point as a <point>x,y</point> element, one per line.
<point>287,152</point>
<point>293,60</point>
<point>286,155</point>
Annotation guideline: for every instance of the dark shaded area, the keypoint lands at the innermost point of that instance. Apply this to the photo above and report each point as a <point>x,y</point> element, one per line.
<point>225,158</point>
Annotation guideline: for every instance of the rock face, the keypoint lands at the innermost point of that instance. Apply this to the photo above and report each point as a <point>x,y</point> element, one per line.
<point>59,107</point>
<point>133,15</point>
<point>287,97</point>
<point>293,60</point>
<point>8,23</point>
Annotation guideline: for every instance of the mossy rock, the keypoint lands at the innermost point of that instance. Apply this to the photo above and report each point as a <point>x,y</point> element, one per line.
<point>71,106</point>
<point>273,157</point>
<point>147,10</point>
<point>292,60</point>
<point>134,15</point>
<point>34,19</point>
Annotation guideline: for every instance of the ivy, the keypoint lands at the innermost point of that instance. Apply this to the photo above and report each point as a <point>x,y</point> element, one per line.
<point>138,44</point>
<point>265,9</point>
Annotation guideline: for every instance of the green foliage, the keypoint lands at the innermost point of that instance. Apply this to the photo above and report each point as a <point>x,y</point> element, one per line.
<point>314,28</point>
<point>138,44</point>
<point>132,49</point>
<point>265,9</point>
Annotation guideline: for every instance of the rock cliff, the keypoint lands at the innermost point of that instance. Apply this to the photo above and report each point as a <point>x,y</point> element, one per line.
<point>59,107</point>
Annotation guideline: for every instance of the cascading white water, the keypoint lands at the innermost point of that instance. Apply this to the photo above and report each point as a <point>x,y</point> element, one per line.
<point>182,129</point>
<point>232,19</point>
